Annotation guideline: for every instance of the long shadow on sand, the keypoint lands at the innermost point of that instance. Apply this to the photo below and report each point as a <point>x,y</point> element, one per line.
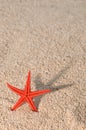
<point>40,85</point>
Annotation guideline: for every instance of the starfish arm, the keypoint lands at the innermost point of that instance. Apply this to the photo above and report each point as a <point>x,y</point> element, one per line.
<point>19,103</point>
<point>31,103</point>
<point>38,93</point>
<point>16,90</point>
<point>27,86</point>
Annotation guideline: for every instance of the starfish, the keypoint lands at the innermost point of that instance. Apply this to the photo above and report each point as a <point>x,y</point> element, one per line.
<point>26,95</point>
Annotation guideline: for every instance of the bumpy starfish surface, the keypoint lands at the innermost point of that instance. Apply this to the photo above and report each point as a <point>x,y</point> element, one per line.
<point>26,95</point>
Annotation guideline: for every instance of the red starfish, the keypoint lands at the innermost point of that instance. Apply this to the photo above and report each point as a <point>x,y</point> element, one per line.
<point>26,94</point>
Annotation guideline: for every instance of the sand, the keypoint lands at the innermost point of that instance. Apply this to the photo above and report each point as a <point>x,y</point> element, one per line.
<point>47,37</point>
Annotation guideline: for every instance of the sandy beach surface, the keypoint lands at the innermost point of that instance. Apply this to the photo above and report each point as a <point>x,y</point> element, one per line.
<point>47,37</point>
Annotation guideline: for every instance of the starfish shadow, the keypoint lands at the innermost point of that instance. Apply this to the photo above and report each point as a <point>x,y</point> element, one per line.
<point>40,85</point>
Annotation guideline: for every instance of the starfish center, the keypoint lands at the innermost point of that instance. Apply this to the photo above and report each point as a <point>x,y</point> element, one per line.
<point>26,95</point>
